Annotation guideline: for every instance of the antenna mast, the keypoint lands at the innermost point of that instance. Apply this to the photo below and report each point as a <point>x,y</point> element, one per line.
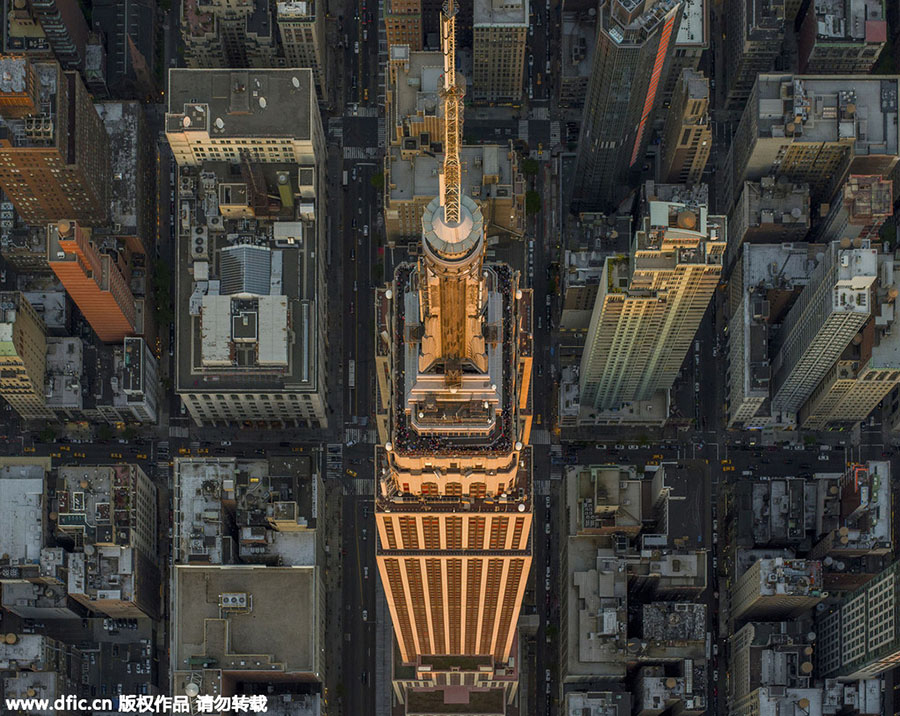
<point>450,179</point>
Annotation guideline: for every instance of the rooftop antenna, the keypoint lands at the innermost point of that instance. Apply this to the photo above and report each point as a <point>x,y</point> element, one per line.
<point>451,94</point>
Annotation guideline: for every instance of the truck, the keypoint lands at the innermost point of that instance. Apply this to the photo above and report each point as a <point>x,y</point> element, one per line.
<point>345,177</point>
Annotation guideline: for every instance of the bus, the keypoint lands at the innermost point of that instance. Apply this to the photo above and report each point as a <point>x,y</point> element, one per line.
<point>351,374</point>
<point>345,177</point>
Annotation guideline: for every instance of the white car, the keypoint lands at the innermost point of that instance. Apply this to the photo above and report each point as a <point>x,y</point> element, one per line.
<point>547,528</point>
<point>356,47</point>
<point>547,675</point>
<point>365,615</point>
<point>547,501</point>
<point>823,458</point>
<point>530,60</point>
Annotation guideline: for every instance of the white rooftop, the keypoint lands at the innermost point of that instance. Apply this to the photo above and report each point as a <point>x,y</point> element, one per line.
<point>21,511</point>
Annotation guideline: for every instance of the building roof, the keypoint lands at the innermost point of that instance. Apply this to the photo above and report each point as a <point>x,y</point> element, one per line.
<point>242,103</point>
<point>249,633</point>
<point>121,120</point>
<point>850,20</point>
<point>858,109</point>
<point>693,29</point>
<point>500,12</point>
<point>247,300</point>
<point>22,509</point>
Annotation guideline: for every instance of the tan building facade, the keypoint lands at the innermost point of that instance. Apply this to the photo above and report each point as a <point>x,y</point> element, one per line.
<point>301,27</point>
<point>453,504</point>
<point>650,303</point>
<point>687,139</point>
<point>498,53</point>
<point>23,356</point>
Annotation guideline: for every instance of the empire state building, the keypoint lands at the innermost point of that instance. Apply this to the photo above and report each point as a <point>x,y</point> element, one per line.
<point>453,506</point>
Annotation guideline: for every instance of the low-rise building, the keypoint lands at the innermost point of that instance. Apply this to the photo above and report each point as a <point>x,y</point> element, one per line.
<point>604,500</point>
<point>813,129</point>
<point>246,535</point>
<point>863,524</point>
<point>659,690</point>
<point>39,667</point>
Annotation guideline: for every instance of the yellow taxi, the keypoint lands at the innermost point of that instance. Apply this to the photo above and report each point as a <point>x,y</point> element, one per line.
<point>141,456</point>
<point>29,449</point>
<point>352,473</point>
<point>116,455</point>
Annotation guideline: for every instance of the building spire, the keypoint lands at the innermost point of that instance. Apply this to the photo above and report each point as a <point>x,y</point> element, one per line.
<point>450,179</point>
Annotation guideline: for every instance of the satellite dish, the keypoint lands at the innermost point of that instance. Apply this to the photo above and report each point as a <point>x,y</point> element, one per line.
<point>262,102</point>
<point>191,689</point>
<point>296,82</point>
<point>220,123</point>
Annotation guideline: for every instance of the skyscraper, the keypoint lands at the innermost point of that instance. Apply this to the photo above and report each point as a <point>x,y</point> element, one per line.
<point>54,153</point>
<point>301,25</point>
<point>23,356</point>
<point>498,49</point>
<point>453,506</point>
<point>635,41</point>
<point>93,279</point>
<point>650,303</point>
<point>755,31</point>
<point>827,315</point>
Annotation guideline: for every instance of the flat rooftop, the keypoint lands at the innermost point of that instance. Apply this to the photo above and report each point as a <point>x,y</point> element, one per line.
<point>417,87</point>
<point>775,202</point>
<point>857,109</point>
<point>578,44</point>
<point>255,636</point>
<point>674,621</point>
<point>22,507</point>
<point>500,12</point>
<point>419,177</point>
<point>853,20</point>
<point>249,103</point>
<point>246,299</point>
<point>121,120</point>
<point>693,30</point>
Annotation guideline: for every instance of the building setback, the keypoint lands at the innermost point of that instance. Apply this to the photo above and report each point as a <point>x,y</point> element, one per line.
<point>650,303</point>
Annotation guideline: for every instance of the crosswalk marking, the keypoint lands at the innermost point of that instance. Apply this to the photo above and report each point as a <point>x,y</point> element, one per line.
<point>554,132</point>
<point>523,130</point>
<point>542,487</point>
<point>540,437</point>
<point>354,153</point>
